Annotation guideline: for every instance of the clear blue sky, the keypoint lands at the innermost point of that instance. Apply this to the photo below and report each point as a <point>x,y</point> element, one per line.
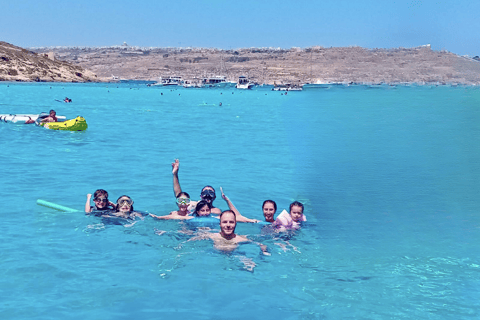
<point>450,25</point>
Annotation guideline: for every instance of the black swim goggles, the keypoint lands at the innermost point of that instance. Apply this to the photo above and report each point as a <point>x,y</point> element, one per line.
<point>207,194</point>
<point>101,200</point>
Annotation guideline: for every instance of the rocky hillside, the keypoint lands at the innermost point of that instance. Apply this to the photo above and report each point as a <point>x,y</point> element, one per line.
<point>270,65</point>
<point>17,64</point>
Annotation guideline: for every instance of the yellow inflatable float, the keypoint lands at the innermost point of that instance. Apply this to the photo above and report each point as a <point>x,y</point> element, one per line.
<point>77,124</point>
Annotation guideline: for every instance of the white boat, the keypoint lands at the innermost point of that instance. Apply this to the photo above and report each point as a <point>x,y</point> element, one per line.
<point>217,82</point>
<point>244,83</point>
<point>170,81</point>
<point>192,84</point>
<point>23,118</point>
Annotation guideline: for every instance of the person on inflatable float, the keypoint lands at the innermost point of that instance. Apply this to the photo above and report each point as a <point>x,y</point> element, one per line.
<point>51,117</point>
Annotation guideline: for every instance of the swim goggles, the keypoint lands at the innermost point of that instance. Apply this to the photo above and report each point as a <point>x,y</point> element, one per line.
<point>183,200</point>
<point>207,194</point>
<point>128,202</point>
<point>101,200</point>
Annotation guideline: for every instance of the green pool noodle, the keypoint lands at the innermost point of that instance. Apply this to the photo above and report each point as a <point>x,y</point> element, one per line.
<point>55,206</point>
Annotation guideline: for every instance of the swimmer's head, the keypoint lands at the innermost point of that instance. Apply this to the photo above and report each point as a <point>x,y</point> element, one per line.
<point>52,113</point>
<point>203,209</point>
<point>208,194</point>
<point>228,223</point>
<point>124,204</point>
<point>100,198</point>
<point>269,208</point>
<point>296,211</point>
<point>183,199</point>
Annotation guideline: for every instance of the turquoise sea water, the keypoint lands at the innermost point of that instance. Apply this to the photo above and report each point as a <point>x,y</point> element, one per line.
<point>390,178</point>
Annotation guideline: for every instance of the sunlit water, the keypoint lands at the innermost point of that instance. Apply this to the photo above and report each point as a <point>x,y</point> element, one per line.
<point>389,178</point>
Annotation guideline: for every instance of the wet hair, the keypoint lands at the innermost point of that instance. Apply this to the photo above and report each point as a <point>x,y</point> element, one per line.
<point>117,206</point>
<point>296,203</point>
<point>269,201</point>
<point>200,205</point>
<point>100,192</point>
<point>52,111</point>
<point>228,211</point>
<point>209,187</point>
<point>183,194</point>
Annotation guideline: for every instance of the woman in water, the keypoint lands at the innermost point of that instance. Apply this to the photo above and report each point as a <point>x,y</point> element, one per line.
<point>269,208</point>
<point>183,201</point>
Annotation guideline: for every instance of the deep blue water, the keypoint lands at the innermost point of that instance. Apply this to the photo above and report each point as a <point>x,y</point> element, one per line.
<point>389,178</point>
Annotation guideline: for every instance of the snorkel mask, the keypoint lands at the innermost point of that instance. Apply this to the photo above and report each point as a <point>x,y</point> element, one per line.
<point>208,195</point>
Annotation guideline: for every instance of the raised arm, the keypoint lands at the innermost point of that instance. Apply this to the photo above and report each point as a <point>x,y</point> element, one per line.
<point>176,184</point>
<point>88,209</point>
<point>238,215</point>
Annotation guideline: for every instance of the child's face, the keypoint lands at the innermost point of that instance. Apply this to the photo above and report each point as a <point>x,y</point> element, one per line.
<point>101,202</point>
<point>204,211</point>
<point>296,213</point>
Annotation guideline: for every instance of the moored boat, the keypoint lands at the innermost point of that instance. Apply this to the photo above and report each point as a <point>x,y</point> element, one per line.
<point>244,83</point>
<point>217,82</point>
<point>169,81</point>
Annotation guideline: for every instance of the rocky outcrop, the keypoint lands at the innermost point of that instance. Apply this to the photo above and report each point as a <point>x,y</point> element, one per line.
<point>18,64</point>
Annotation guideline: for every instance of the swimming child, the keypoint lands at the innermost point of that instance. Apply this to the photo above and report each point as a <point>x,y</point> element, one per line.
<point>293,219</point>
<point>125,208</point>
<point>100,199</point>
<point>203,209</point>
<point>183,201</point>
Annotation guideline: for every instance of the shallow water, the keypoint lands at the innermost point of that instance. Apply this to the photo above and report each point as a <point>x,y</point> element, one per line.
<point>389,178</point>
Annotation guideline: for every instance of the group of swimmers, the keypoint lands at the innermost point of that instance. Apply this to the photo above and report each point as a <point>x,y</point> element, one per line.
<point>188,209</point>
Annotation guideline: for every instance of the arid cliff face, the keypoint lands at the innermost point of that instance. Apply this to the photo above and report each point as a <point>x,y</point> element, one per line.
<point>17,64</point>
<point>261,65</point>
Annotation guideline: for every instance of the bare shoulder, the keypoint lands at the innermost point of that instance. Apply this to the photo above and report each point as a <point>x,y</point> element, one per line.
<point>216,211</point>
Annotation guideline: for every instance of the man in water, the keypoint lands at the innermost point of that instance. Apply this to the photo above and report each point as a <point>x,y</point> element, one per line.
<point>226,239</point>
<point>207,194</point>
